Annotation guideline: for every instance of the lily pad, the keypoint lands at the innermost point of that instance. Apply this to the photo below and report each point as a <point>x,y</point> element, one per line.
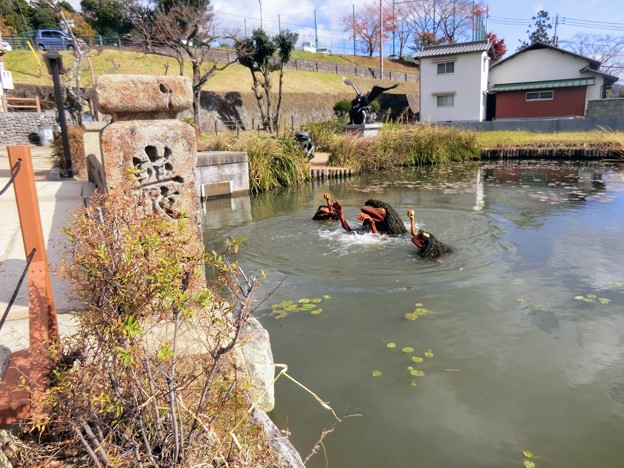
<point>316,300</point>
<point>304,300</point>
<point>376,373</point>
<point>316,312</point>
<point>417,359</point>
<point>417,373</point>
<point>407,349</point>
<point>429,353</point>
<point>326,297</point>
<point>604,300</point>
<point>391,345</point>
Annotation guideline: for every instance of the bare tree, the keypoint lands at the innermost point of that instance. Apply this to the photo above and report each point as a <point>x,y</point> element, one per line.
<point>401,30</point>
<point>184,31</point>
<point>75,95</point>
<point>607,49</point>
<point>365,23</point>
<point>444,21</point>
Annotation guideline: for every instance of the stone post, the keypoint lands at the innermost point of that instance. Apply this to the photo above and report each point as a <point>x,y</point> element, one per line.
<point>145,135</point>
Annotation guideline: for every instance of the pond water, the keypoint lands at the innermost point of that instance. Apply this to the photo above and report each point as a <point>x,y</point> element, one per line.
<point>518,342</point>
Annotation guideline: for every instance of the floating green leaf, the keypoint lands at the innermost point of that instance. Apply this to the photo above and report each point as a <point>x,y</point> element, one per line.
<point>604,300</point>
<point>376,373</point>
<point>417,373</point>
<point>592,296</point>
<point>614,285</point>
<point>579,298</point>
<point>528,454</point>
<point>529,464</point>
<point>282,309</point>
<point>413,383</point>
<point>408,349</point>
<point>391,345</point>
<point>326,296</point>
<point>522,300</point>
<point>417,359</point>
<point>429,353</point>
<point>418,312</point>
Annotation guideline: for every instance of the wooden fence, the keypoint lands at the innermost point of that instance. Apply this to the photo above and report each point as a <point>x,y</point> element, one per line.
<point>20,103</point>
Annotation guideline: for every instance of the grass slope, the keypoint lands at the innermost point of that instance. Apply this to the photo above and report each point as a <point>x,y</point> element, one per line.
<point>29,68</point>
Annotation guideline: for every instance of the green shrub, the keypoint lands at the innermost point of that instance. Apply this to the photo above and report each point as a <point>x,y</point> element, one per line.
<point>342,108</point>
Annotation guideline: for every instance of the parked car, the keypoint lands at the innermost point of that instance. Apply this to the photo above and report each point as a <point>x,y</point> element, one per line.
<point>308,47</point>
<point>55,39</point>
<point>323,50</point>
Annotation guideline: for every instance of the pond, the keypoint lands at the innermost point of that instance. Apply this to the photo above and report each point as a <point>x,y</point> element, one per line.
<point>514,343</point>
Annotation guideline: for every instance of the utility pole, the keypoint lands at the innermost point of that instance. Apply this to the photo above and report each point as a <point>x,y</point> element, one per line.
<point>354,29</point>
<point>381,70</point>
<point>260,2</point>
<point>315,32</point>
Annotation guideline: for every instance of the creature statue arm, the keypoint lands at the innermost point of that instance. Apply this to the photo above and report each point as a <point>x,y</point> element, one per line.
<point>410,214</point>
<point>338,207</point>
<point>327,199</point>
<point>365,217</point>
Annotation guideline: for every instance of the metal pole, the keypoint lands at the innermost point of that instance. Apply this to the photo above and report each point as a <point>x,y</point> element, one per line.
<point>58,98</point>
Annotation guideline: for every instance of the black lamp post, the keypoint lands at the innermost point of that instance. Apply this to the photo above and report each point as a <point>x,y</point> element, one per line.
<point>54,62</point>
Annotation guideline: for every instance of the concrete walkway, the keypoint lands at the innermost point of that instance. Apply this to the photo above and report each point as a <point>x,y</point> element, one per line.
<point>58,200</point>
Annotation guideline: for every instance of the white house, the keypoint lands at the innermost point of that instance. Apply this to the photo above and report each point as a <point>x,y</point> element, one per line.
<point>542,81</point>
<point>454,81</point>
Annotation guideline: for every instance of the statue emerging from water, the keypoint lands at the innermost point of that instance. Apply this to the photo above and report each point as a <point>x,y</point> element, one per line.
<point>361,111</point>
<point>428,244</point>
<point>378,217</point>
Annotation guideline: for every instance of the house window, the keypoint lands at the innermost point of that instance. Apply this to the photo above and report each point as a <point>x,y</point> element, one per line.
<point>445,100</point>
<point>540,95</point>
<point>446,68</point>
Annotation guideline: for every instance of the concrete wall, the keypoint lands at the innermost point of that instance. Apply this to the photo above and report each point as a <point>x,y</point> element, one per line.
<point>543,125</point>
<point>605,108</point>
<point>220,173</point>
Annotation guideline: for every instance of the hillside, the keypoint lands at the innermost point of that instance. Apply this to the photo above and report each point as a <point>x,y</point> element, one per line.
<point>29,68</point>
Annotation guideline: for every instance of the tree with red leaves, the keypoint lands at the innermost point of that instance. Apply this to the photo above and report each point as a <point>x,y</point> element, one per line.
<point>365,22</point>
<point>499,48</point>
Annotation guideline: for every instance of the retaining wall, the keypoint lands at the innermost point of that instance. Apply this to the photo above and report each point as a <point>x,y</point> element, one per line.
<point>21,128</point>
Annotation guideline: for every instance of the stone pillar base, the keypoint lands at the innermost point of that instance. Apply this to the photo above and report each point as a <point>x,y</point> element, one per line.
<point>364,130</point>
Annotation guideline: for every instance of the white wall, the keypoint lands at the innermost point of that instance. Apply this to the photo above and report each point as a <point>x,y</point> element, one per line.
<point>544,65</point>
<point>468,83</point>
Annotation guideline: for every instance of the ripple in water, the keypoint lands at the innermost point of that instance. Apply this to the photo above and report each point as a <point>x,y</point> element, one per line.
<point>293,243</point>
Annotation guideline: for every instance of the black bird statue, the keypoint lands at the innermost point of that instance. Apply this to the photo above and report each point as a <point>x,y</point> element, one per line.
<point>361,112</point>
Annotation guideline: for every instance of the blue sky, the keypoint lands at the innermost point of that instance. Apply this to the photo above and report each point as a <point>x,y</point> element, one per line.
<point>508,19</point>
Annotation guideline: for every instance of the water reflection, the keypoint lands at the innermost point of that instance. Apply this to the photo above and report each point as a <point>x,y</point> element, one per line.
<point>518,360</point>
